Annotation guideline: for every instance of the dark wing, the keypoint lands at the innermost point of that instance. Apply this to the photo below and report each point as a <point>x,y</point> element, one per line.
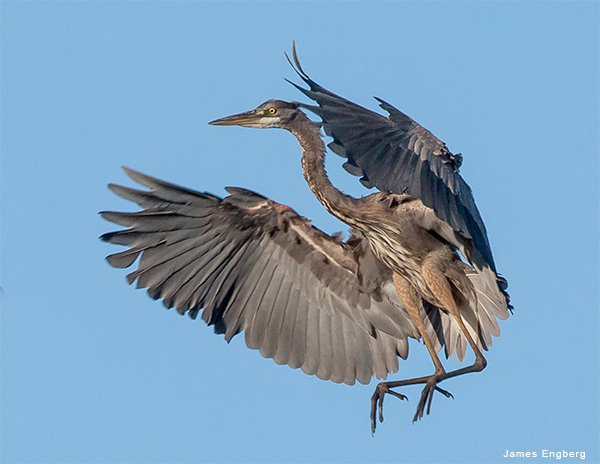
<point>395,154</point>
<point>254,265</point>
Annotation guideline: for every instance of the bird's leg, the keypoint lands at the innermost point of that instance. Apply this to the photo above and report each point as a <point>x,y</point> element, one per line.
<point>413,304</point>
<point>440,287</point>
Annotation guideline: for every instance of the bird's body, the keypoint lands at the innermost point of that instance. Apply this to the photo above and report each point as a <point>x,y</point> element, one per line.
<point>392,229</point>
<point>340,310</point>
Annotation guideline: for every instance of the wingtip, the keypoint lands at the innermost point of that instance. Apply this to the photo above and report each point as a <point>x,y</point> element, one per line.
<point>107,236</point>
<point>130,172</point>
<point>114,187</point>
<point>301,89</point>
<point>142,179</point>
<point>295,64</point>
<point>244,192</point>
<point>382,102</point>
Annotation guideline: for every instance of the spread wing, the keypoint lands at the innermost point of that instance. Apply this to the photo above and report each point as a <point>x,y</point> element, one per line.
<point>302,297</point>
<point>395,154</point>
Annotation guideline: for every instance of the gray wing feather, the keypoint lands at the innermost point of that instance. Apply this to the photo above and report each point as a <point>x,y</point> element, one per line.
<point>250,264</point>
<point>285,338</point>
<point>247,285</point>
<point>364,368</point>
<point>338,345</point>
<point>298,349</point>
<point>326,360</point>
<point>254,304</point>
<point>275,324</point>
<point>312,354</point>
<point>351,350</point>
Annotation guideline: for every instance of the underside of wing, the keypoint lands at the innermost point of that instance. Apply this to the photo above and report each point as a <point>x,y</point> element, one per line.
<point>253,265</point>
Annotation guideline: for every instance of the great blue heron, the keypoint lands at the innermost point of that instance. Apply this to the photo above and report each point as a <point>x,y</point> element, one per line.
<point>340,310</point>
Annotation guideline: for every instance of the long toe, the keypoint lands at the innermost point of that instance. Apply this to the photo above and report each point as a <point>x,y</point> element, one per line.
<point>426,397</point>
<point>377,403</point>
<point>377,406</point>
<point>446,393</point>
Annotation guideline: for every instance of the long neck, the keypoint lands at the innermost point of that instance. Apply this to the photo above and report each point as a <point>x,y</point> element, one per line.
<point>313,167</point>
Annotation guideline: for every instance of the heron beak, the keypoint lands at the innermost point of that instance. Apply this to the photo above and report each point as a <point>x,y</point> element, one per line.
<point>247,119</point>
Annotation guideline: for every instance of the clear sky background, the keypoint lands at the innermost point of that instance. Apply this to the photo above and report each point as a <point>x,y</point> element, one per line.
<point>95,371</point>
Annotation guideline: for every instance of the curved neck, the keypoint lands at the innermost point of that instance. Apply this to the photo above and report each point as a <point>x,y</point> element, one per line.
<point>313,167</point>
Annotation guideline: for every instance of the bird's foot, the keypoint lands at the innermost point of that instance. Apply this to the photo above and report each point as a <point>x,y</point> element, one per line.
<point>377,403</point>
<point>427,396</point>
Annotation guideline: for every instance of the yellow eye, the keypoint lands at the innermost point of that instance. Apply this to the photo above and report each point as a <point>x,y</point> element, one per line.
<point>272,110</point>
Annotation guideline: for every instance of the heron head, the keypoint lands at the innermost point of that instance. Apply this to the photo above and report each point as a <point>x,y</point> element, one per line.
<point>272,113</point>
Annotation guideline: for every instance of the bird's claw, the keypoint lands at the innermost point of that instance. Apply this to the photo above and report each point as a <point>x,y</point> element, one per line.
<point>446,393</point>
<point>427,397</point>
<point>377,403</point>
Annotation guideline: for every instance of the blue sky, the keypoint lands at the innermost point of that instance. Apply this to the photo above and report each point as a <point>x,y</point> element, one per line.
<point>95,371</point>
